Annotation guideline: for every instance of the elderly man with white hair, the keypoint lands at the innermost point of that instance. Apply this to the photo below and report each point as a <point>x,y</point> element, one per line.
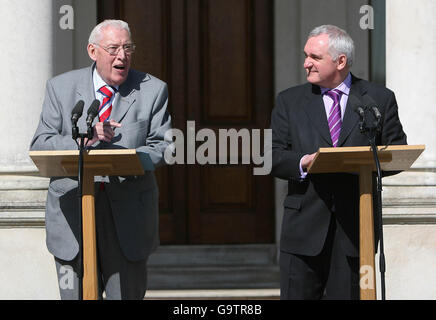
<point>132,114</point>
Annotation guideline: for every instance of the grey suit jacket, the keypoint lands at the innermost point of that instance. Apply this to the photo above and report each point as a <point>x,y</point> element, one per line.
<point>141,108</point>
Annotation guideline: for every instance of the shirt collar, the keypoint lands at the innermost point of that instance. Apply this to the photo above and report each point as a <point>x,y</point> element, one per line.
<point>99,82</point>
<point>343,86</point>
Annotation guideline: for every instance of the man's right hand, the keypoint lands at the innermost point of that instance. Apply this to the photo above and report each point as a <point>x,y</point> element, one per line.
<point>103,131</point>
<point>306,161</point>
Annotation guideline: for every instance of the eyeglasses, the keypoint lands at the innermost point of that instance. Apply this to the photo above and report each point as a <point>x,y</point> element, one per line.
<point>114,50</point>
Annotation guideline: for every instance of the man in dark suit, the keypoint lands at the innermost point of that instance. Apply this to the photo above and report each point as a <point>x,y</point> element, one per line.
<point>319,246</point>
<point>133,114</point>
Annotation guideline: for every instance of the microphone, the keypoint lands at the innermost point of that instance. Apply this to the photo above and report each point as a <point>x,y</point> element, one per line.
<point>77,112</point>
<point>376,113</point>
<point>354,100</point>
<point>370,103</point>
<point>377,118</point>
<point>360,112</point>
<point>75,115</point>
<point>370,116</point>
<point>92,112</point>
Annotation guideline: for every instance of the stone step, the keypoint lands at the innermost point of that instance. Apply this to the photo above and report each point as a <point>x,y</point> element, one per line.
<point>214,294</point>
<point>232,277</point>
<point>250,266</point>
<point>218,255</point>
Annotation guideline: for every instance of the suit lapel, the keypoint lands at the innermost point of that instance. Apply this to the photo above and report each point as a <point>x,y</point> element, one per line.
<point>85,89</point>
<point>126,97</point>
<point>85,92</point>
<point>122,103</point>
<point>315,110</point>
<point>351,118</point>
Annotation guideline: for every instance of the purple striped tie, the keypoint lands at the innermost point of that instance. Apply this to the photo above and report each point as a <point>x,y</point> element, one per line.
<point>335,121</point>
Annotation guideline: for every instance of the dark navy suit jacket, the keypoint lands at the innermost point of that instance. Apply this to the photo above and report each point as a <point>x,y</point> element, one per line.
<point>299,126</point>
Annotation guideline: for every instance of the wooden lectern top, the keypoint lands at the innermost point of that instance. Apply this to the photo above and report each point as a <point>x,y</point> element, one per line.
<point>351,159</point>
<point>109,162</point>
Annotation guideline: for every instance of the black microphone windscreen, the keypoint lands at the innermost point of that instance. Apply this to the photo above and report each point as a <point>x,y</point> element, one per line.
<point>376,113</point>
<point>93,109</point>
<point>78,109</point>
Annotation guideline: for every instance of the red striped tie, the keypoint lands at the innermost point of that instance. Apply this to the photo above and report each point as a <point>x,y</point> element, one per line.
<point>106,106</point>
<point>105,109</point>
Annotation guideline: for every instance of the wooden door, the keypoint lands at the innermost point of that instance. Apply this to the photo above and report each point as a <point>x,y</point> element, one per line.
<point>216,56</point>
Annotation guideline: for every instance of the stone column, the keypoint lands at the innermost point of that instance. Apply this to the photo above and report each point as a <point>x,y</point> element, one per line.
<point>35,48</point>
<point>410,44</point>
<point>26,55</point>
<point>410,197</point>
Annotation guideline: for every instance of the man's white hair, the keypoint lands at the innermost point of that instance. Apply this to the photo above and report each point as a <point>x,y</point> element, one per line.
<point>96,33</point>
<point>339,42</point>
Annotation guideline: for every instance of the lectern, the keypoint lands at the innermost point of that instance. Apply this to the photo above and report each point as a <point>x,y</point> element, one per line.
<point>64,163</point>
<point>360,160</point>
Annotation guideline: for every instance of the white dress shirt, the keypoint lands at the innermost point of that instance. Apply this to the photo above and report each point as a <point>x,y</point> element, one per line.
<point>344,87</point>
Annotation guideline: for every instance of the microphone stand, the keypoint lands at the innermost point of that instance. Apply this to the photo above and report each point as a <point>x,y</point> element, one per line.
<point>382,262</point>
<point>371,132</point>
<point>81,145</point>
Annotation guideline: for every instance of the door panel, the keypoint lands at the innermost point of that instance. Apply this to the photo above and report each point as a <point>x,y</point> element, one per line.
<point>216,57</point>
